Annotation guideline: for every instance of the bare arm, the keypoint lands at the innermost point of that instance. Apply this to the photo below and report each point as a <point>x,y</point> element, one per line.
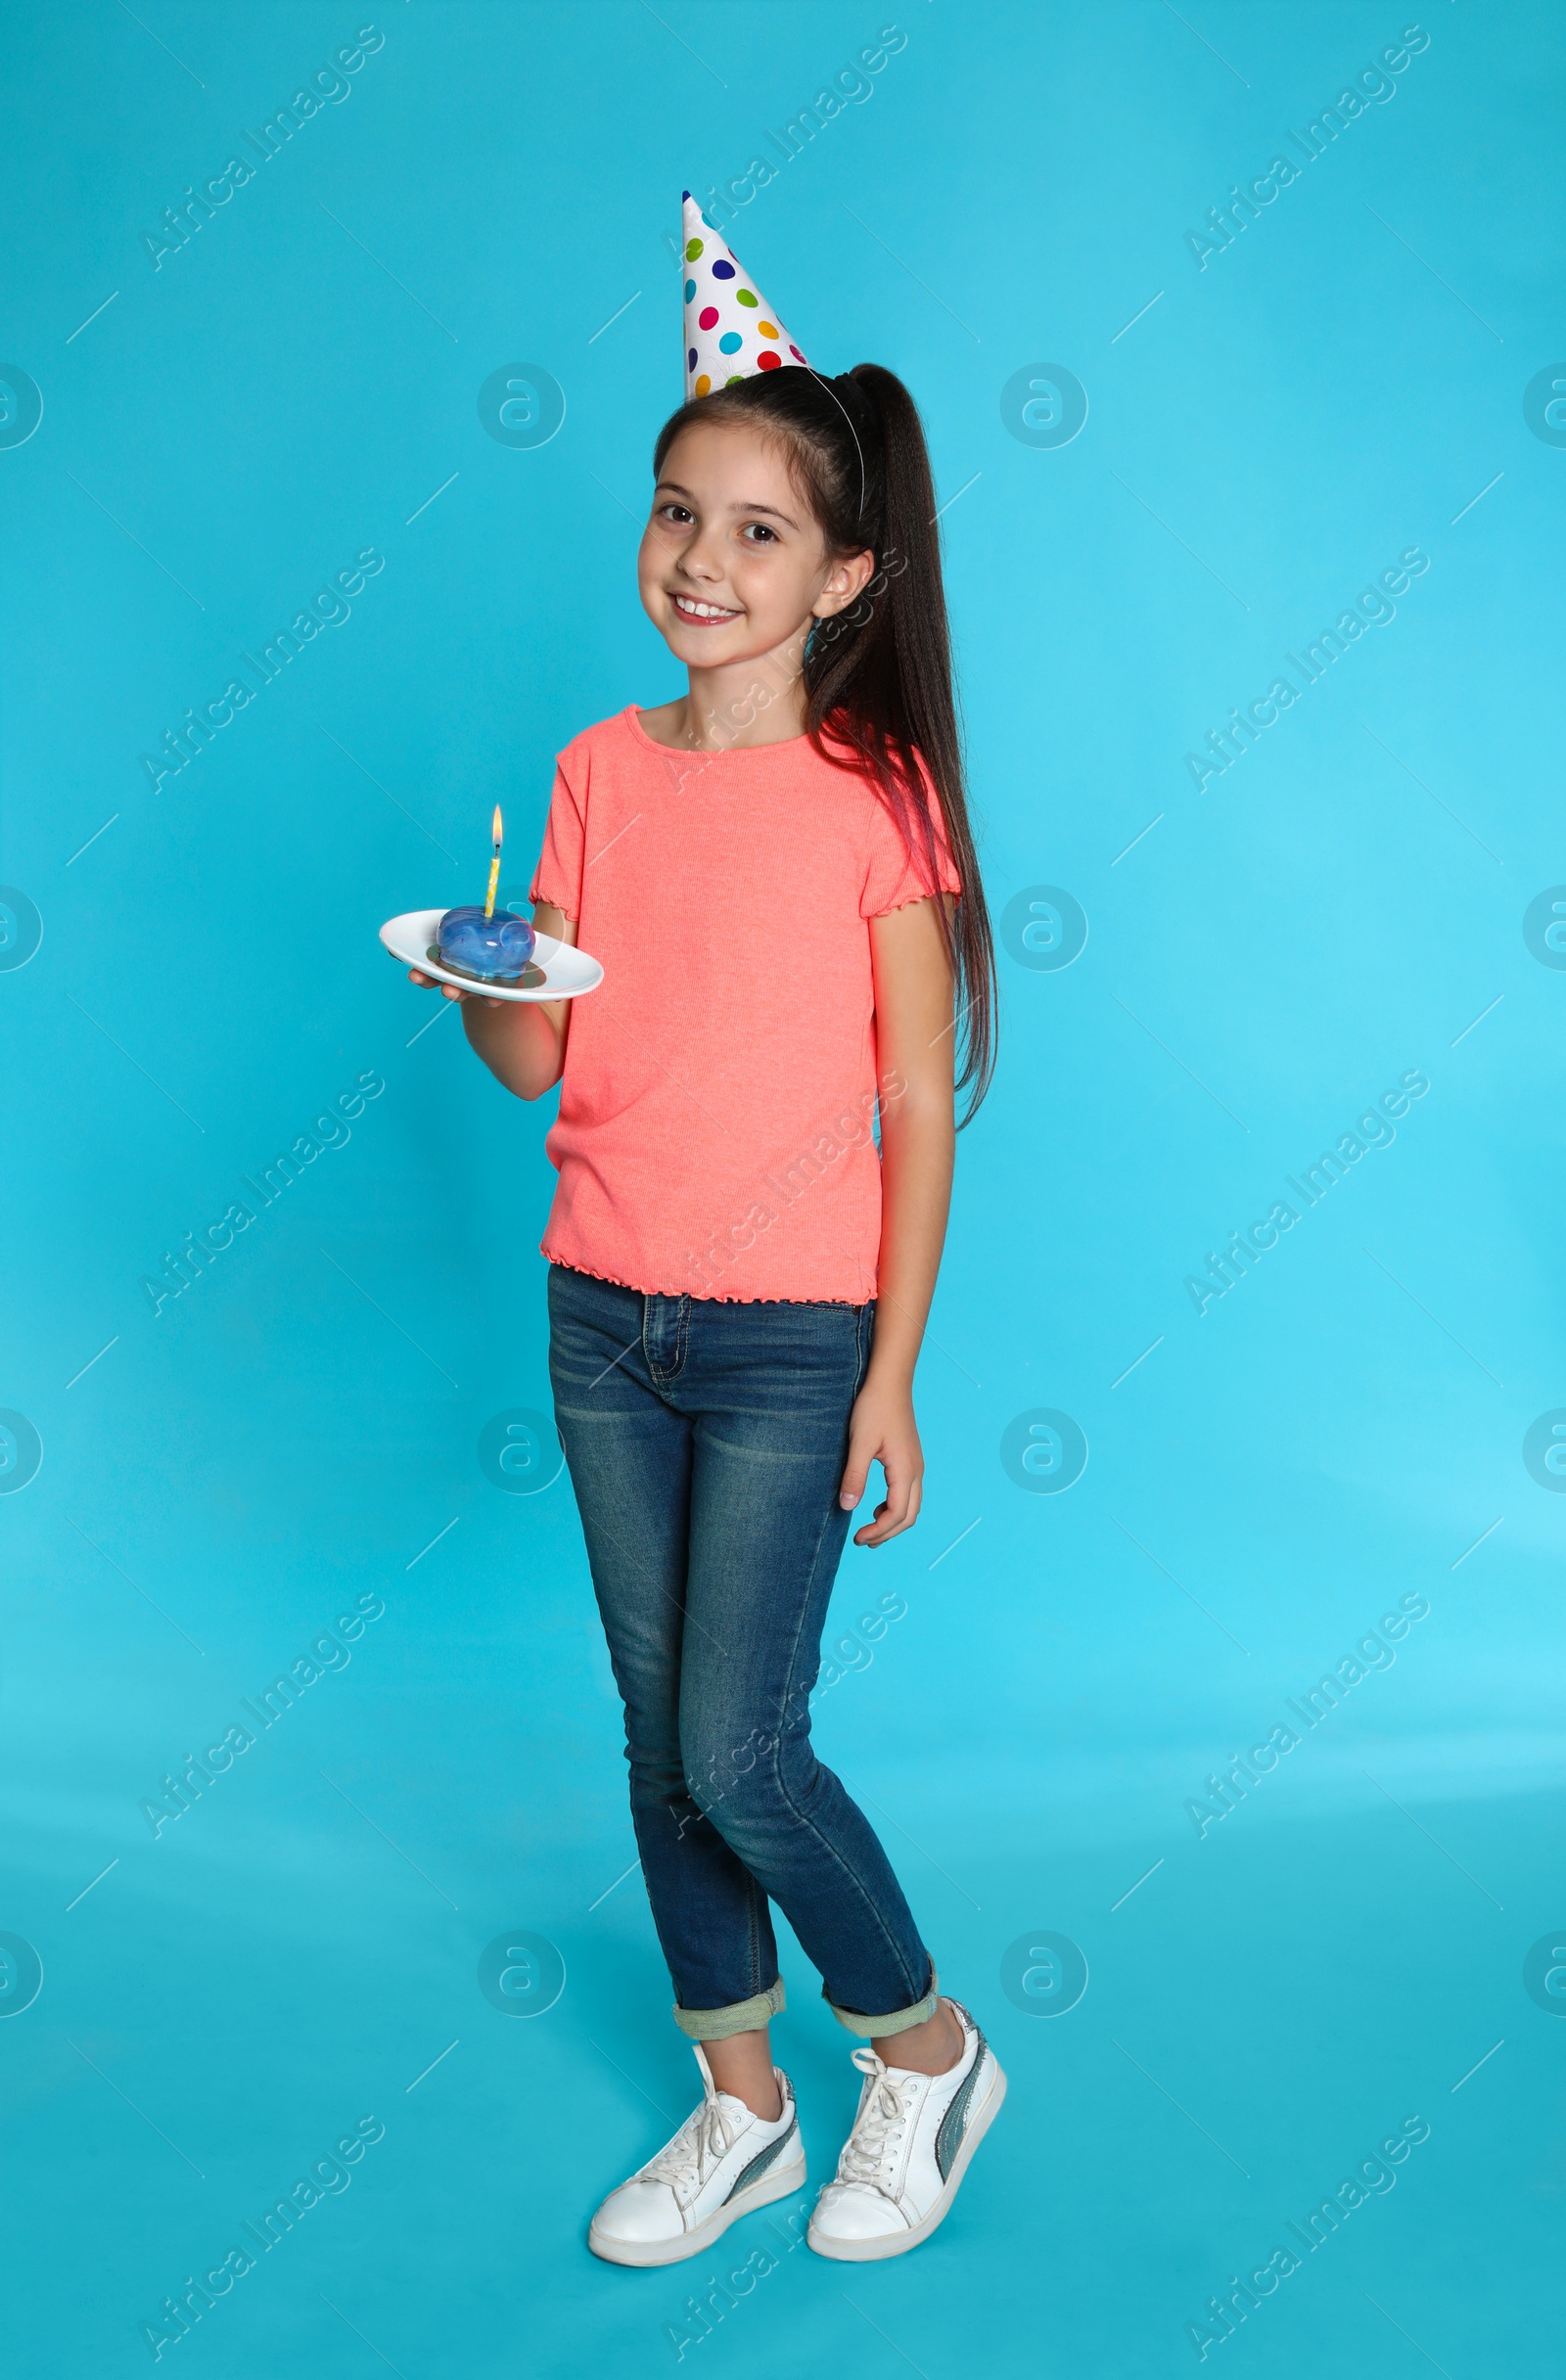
<point>914,1035</point>
<point>522,1042</point>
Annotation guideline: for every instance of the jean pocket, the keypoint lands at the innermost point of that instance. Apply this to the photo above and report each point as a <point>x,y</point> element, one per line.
<point>866,1340</point>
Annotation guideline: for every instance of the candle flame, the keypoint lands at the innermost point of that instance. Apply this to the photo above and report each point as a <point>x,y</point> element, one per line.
<point>495,869</point>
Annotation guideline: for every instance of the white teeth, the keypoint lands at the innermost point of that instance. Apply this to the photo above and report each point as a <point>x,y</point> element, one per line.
<point>702,611</point>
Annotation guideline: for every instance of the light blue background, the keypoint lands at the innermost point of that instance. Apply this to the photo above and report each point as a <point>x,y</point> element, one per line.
<point>1341,1951</point>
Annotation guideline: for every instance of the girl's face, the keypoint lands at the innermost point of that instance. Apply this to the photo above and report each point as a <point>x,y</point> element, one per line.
<point>733,564</point>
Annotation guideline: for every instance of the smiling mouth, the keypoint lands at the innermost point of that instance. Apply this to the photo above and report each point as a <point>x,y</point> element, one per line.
<point>701,615</point>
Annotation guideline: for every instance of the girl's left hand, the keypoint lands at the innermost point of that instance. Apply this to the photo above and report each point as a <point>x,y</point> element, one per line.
<point>882,1429</point>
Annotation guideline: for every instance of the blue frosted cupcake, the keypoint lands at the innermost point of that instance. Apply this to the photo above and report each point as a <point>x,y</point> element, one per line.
<point>493,948</point>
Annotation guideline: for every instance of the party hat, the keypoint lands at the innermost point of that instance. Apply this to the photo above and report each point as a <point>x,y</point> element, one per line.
<point>730,330</point>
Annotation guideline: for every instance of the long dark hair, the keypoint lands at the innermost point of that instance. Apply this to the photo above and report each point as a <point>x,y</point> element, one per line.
<point>878,678</point>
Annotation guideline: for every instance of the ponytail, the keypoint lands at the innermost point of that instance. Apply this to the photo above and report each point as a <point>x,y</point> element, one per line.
<point>878,679</point>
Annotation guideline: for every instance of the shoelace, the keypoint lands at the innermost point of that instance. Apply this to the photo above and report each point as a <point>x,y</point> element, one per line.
<point>886,2106</point>
<point>703,2139</point>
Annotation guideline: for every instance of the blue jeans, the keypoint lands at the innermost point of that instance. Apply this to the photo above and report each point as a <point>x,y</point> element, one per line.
<point>707,1442</point>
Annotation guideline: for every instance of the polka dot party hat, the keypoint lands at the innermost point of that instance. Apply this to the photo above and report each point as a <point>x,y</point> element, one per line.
<point>730,330</point>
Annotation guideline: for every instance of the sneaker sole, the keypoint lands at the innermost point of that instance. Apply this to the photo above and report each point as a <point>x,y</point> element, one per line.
<point>872,2251</point>
<point>761,2193</point>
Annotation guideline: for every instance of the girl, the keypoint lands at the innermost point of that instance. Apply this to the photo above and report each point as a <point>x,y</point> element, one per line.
<point>777,872</point>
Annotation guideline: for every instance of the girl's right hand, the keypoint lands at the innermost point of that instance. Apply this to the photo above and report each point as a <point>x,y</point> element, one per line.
<point>522,1043</point>
<point>452,991</point>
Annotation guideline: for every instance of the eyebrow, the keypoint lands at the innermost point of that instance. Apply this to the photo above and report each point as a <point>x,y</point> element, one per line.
<point>673,488</point>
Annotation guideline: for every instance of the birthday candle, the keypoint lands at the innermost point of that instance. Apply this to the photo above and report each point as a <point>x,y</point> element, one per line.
<point>494,868</point>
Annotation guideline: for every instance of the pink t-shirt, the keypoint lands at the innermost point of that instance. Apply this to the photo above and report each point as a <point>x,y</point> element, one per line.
<point>714,1133</point>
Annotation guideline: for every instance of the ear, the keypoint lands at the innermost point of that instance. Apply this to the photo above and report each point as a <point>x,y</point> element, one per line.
<point>844,584</point>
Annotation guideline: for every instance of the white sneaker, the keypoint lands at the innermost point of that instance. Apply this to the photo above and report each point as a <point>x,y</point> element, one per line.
<point>721,2163</point>
<point>909,2148</point>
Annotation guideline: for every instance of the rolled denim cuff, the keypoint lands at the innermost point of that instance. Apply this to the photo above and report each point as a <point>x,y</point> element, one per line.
<point>745,2016</point>
<point>872,2027</point>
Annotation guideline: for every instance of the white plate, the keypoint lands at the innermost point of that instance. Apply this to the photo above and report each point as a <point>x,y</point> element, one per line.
<point>568,973</point>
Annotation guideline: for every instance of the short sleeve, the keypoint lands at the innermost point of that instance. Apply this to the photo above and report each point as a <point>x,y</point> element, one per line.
<point>893,875</point>
<point>557,879</point>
